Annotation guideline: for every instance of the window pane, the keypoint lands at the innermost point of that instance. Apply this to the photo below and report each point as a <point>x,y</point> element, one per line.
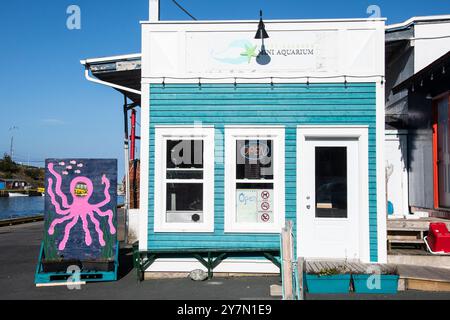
<point>331,182</point>
<point>254,202</point>
<point>184,197</point>
<point>254,159</point>
<point>184,154</point>
<point>184,174</point>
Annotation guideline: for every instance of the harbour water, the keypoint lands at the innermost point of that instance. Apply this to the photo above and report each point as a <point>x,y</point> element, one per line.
<point>18,207</point>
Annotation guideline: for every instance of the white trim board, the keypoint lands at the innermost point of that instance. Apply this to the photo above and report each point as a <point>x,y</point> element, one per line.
<point>144,168</point>
<point>381,177</point>
<point>227,266</point>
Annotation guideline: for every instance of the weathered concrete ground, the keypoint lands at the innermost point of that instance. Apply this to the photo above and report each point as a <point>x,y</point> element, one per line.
<point>19,249</point>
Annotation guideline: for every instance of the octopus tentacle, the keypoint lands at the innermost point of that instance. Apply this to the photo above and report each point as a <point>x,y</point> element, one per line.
<point>87,233</point>
<point>105,181</point>
<point>98,229</point>
<point>51,229</point>
<point>68,228</point>
<point>110,215</point>
<point>58,186</point>
<point>53,199</point>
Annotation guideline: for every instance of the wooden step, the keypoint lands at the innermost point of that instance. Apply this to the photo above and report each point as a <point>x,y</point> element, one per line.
<point>419,260</point>
<point>406,241</point>
<point>424,278</point>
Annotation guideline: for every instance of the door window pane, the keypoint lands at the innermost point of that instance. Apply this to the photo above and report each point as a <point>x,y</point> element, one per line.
<point>331,182</point>
<point>254,159</point>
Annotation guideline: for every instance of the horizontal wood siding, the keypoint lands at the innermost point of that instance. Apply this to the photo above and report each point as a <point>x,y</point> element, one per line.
<point>279,104</point>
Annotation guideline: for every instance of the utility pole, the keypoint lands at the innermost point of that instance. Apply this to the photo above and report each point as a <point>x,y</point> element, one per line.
<point>11,150</point>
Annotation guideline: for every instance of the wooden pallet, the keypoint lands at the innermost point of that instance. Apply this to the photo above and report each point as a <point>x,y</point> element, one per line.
<point>64,278</point>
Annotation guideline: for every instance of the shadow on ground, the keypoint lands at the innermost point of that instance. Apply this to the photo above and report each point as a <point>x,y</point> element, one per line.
<point>125,262</point>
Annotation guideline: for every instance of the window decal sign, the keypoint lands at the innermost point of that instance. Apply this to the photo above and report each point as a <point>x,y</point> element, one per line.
<point>254,151</point>
<point>254,206</point>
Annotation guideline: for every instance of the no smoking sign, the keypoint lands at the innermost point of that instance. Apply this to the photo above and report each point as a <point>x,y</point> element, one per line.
<point>265,195</point>
<point>265,217</point>
<point>265,206</point>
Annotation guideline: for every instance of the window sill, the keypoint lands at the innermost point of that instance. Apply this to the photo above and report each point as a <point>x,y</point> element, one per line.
<point>183,229</point>
<point>275,229</point>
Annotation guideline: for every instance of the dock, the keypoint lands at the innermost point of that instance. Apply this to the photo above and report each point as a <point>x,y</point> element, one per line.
<point>15,221</point>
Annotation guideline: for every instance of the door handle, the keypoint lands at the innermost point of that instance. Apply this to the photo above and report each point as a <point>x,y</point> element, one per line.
<point>308,206</point>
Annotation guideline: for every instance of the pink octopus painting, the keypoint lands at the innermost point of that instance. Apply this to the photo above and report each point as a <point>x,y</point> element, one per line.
<point>79,208</point>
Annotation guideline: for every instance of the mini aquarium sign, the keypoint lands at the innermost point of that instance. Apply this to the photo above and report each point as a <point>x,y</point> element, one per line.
<point>80,209</point>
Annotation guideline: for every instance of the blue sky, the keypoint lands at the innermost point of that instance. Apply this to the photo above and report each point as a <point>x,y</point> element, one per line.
<point>59,114</point>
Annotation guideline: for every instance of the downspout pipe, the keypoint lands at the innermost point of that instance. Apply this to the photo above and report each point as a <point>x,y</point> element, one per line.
<point>127,167</point>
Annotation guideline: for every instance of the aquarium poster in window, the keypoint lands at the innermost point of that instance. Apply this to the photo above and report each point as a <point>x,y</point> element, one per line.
<point>254,206</point>
<point>80,209</point>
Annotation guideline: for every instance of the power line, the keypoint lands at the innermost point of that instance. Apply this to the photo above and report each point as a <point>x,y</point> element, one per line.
<point>184,10</point>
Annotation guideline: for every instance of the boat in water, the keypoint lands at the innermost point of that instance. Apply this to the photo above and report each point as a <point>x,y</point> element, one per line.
<point>16,194</point>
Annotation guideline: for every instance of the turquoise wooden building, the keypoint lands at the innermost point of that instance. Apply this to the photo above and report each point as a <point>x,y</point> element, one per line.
<point>239,135</point>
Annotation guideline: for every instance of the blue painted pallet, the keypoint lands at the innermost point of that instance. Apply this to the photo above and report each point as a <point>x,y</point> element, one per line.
<point>86,276</point>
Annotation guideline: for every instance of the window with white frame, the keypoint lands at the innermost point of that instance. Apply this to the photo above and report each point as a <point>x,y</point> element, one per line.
<point>254,179</point>
<point>184,179</point>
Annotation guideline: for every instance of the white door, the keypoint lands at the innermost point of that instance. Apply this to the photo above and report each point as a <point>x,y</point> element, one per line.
<point>328,198</point>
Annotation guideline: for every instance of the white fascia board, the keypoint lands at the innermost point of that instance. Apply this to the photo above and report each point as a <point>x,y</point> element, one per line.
<point>413,20</point>
<point>263,80</point>
<point>285,25</point>
<point>111,59</point>
<point>265,21</point>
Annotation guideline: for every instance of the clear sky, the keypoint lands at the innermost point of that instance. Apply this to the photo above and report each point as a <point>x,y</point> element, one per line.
<point>59,114</point>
